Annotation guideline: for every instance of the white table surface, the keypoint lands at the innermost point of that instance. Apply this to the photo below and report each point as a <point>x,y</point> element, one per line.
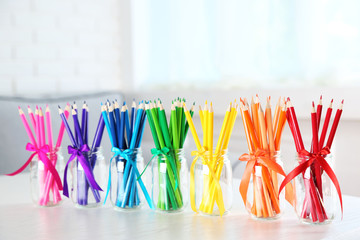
<point>20,219</point>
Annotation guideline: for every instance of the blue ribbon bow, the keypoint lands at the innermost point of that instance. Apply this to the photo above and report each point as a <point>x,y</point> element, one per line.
<point>126,155</point>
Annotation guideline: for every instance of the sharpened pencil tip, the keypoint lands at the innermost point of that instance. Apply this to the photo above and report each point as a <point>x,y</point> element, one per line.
<point>19,107</point>
<point>332,100</point>
<point>59,107</point>
<point>313,104</point>
<point>342,102</point>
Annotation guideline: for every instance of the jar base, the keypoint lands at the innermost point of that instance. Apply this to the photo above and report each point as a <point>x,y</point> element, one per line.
<point>170,211</point>
<point>214,214</point>
<point>127,209</point>
<point>310,222</point>
<point>49,204</point>
<point>276,217</point>
<point>91,205</point>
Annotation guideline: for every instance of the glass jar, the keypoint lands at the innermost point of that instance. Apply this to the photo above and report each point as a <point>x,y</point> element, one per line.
<point>206,192</point>
<point>315,200</point>
<point>125,192</point>
<point>82,194</point>
<point>263,192</point>
<point>169,190</point>
<point>44,190</point>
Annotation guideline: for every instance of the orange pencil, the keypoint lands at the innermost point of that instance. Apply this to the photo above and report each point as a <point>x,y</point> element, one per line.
<point>276,115</point>
<point>280,127</point>
<point>255,118</point>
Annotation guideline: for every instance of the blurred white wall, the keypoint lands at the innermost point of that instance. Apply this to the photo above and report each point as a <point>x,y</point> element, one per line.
<point>56,46</point>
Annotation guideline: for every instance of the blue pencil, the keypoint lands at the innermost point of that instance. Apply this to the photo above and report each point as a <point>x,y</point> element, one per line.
<point>129,191</point>
<point>112,124</point>
<point>117,117</point>
<point>122,128</point>
<point>107,125</point>
<point>132,119</point>
<point>142,127</point>
<point>127,125</point>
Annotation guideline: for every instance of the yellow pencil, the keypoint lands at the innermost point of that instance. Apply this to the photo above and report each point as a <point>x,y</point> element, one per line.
<point>192,127</point>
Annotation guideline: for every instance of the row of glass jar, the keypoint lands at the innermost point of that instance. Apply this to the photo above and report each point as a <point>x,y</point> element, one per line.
<point>209,186</point>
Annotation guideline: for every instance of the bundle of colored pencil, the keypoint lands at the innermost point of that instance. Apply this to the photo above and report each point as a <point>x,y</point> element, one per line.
<point>263,133</point>
<point>79,142</point>
<point>172,137</point>
<point>125,132</point>
<point>46,180</point>
<point>314,201</point>
<point>212,159</point>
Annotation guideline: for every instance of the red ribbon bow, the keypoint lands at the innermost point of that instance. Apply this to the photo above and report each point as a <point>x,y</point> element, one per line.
<point>259,157</point>
<point>314,158</point>
<point>42,153</point>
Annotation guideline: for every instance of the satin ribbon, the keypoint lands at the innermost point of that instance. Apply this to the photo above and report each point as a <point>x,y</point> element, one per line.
<point>126,154</point>
<point>314,158</point>
<point>204,155</point>
<point>259,157</point>
<point>75,152</point>
<point>42,154</point>
<point>157,152</point>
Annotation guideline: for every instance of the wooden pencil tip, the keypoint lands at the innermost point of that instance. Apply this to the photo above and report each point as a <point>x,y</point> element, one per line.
<point>342,102</point>
<point>313,104</point>
<point>19,107</point>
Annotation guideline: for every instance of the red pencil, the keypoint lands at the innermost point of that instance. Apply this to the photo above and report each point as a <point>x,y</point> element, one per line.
<point>335,125</point>
<point>326,125</point>
<point>318,112</point>
<point>314,125</point>
<point>295,124</point>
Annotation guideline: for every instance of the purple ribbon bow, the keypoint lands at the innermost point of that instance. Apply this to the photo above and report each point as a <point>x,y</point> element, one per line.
<point>75,152</point>
<point>42,153</point>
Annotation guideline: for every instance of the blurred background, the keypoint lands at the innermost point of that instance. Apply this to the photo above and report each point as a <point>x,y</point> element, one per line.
<point>58,51</point>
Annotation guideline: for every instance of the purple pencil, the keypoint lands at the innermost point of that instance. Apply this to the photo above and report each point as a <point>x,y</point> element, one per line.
<point>83,121</point>
<point>86,124</point>
<point>67,127</point>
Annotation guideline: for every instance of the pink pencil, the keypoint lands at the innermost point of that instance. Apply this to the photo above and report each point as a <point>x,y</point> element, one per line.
<point>32,118</point>
<point>42,128</point>
<point>62,127</point>
<point>50,184</point>
<point>42,169</point>
<point>27,127</point>
<point>37,130</point>
<point>49,127</point>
